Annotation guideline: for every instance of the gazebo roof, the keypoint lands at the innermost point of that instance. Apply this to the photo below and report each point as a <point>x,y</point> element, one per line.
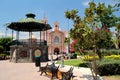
<point>29,24</point>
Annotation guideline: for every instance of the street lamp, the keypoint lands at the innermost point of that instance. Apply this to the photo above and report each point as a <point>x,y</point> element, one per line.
<point>68,41</point>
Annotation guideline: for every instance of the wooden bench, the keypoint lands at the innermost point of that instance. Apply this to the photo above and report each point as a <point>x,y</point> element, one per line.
<point>43,69</point>
<point>52,69</point>
<point>67,75</point>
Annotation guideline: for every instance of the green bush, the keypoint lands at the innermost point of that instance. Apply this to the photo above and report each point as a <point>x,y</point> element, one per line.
<point>109,67</point>
<point>3,55</point>
<point>89,58</point>
<point>73,56</point>
<point>110,52</point>
<point>112,57</point>
<point>83,65</point>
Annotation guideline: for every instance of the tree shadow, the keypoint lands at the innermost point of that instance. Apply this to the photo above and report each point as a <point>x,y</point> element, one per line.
<point>90,77</point>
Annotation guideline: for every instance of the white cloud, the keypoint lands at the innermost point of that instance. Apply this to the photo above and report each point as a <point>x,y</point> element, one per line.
<point>85,3</point>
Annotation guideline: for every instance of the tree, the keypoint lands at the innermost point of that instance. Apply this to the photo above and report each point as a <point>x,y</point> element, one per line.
<point>4,43</point>
<point>117,3</point>
<point>117,42</point>
<point>92,32</point>
<point>84,31</point>
<point>1,49</point>
<point>79,31</point>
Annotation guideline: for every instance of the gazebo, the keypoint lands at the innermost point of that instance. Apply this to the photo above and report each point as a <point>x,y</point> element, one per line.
<point>26,50</point>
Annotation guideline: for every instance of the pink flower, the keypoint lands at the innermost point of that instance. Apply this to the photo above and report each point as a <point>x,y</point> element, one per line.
<point>106,30</point>
<point>97,28</point>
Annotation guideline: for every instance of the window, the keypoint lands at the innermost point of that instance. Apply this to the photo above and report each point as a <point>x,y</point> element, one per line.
<point>56,40</point>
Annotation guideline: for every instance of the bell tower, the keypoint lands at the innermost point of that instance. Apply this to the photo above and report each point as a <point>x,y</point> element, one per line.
<point>56,24</point>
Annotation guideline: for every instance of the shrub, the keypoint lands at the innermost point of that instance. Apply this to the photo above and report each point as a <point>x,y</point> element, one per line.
<point>110,52</point>
<point>73,56</point>
<point>83,65</point>
<point>3,56</point>
<point>89,58</point>
<point>109,67</point>
<point>112,57</point>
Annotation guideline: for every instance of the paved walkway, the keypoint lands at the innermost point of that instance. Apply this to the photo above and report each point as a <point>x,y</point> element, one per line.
<point>28,71</point>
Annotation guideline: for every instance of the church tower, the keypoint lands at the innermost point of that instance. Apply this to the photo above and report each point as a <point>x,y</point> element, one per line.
<point>56,40</point>
<point>56,24</point>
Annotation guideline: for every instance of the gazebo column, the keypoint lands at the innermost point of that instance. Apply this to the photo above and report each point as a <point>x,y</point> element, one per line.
<point>17,35</point>
<point>12,34</point>
<point>43,35</point>
<point>30,59</point>
<point>40,38</point>
<point>11,53</point>
<point>30,46</point>
<point>17,49</point>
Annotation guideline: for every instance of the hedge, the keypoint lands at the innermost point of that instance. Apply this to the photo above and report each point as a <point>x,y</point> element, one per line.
<point>90,58</point>
<point>109,67</point>
<point>110,52</point>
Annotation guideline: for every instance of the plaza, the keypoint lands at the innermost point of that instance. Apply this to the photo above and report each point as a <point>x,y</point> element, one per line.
<point>28,71</point>
<point>60,40</point>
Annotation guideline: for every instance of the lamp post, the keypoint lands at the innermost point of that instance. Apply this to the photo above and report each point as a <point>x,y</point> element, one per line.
<point>68,41</point>
<point>6,32</point>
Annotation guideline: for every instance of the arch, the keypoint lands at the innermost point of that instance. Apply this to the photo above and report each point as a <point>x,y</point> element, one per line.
<point>56,51</point>
<point>56,40</point>
<point>37,53</point>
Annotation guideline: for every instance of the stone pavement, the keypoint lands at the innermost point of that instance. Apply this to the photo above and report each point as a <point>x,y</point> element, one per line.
<point>28,71</point>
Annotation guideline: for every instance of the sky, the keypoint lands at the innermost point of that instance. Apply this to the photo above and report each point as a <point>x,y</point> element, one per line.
<point>54,10</point>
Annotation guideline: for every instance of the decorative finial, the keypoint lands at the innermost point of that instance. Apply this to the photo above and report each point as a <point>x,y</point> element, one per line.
<point>56,24</point>
<point>30,15</point>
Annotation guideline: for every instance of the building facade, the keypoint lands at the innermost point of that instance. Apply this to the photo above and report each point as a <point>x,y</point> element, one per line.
<point>56,39</point>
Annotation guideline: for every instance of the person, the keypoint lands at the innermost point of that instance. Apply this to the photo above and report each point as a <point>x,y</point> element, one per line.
<point>37,59</point>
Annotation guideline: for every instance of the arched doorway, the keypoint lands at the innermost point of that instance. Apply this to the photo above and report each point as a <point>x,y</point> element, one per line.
<point>37,53</point>
<point>56,51</point>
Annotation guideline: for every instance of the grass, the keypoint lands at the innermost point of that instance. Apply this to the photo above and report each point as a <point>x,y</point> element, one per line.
<point>74,62</point>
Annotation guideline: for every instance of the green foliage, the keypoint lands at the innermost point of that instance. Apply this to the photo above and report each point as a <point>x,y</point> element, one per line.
<point>3,55</point>
<point>117,27</point>
<point>93,31</point>
<point>4,43</point>
<point>1,47</point>
<point>71,14</point>
<point>110,52</point>
<point>73,56</point>
<point>91,58</point>
<point>103,38</point>
<point>84,31</point>
<point>109,67</point>
<point>112,57</point>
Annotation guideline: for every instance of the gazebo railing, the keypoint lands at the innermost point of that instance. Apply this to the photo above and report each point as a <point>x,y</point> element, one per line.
<point>27,42</point>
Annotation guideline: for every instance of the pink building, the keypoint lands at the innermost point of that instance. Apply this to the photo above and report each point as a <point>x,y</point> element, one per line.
<point>56,39</point>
